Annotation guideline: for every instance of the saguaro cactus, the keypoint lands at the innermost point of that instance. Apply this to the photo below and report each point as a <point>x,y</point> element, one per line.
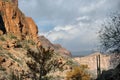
<point>98,66</point>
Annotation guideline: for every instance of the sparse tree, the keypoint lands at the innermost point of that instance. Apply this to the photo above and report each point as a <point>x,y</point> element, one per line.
<point>110,35</point>
<point>44,58</point>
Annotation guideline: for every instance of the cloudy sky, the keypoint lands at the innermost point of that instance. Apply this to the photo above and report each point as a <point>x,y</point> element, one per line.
<point>72,23</point>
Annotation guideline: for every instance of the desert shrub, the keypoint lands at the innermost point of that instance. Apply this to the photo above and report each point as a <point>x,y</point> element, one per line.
<point>13,57</point>
<point>12,36</point>
<point>15,76</point>
<point>78,73</point>
<point>2,38</point>
<point>31,42</point>
<point>1,47</point>
<point>18,44</point>
<point>24,44</point>
<point>44,58</point>
<point>2,68</point>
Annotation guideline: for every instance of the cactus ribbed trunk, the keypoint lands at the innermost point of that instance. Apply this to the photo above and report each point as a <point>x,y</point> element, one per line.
<point>98,66</point>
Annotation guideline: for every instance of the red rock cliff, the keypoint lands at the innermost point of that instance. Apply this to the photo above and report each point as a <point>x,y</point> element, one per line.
<point>12,20</point>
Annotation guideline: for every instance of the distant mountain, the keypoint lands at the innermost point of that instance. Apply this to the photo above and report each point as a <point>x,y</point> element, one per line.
<point>57,47</point>
<point>81,53</point>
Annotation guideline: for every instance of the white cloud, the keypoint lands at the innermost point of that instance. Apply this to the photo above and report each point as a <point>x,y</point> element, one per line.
<point>82,18</point>
<point>72,23</point>
<point>62,32</point>
<point>66,28</point>
<point>81,35</point>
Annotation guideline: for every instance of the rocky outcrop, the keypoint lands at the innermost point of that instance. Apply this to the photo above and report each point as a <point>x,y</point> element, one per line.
<point>57,47</point>
<point>12,20</point>
<point>33,29</point>
<point>107,61</point>
<point>90,60</point>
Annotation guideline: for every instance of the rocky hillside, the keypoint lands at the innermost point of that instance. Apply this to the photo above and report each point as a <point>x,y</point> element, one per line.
<point>21,48</point>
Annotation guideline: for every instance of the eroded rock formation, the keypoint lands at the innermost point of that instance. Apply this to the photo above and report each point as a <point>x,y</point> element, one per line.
<point>12,20</point>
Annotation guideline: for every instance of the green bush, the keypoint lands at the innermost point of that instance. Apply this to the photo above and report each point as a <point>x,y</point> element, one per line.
<point>2,38</point>
<point>31,42</point>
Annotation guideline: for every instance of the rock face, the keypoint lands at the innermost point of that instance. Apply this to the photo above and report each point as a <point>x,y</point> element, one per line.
<point>107,61</point>
<point>92,64</point>
<point>12,20</point>
<point>33,29</point>
<point>57,47</point>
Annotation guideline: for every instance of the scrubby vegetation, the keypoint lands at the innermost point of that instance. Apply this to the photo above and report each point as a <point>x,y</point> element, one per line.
<point>78,73</point>
<point>44,58</point>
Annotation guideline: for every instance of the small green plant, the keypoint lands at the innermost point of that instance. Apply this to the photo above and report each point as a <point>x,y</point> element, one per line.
<point>2,68</point>
<point>2,38</point>
<point>12,36</point>
<point>31,42</point>
<point>1,47</point>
